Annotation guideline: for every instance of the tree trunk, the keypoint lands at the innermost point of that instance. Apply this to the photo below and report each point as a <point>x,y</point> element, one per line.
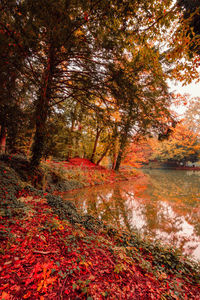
<point>95,144</point>
<point>42,111</point>
<point>104,154</point>
<point>123,142</point>
<point>71,146</point>
<point>3,134</point>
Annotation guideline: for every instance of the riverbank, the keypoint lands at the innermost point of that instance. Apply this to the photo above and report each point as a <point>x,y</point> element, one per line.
<point>164,166</point>
<point>49,251</point>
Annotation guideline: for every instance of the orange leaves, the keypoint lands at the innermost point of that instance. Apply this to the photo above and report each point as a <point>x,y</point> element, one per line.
<point>42,275</point>
<point>27,295</point>
<point>181,146</point>
<point>46,278</point>
<point>5,296</point>
<point>116,115</point>
<point>46,281</point>
<point>137,153</point>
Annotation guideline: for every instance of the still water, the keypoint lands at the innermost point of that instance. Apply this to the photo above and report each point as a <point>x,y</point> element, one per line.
<point>162,204</point>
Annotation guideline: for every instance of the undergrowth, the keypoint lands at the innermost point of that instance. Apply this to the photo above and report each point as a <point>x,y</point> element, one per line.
<point>97,259</point>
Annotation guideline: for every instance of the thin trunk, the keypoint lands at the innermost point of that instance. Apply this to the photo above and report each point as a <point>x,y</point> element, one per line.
<point>3,134</point>
<point>69,155</point>
<point>104,153</point>
<point>95,144</point>
<point>115,154</point>
<point>42,111</point>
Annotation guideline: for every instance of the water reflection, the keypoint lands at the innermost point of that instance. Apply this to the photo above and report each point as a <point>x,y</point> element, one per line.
<point>164,205</point>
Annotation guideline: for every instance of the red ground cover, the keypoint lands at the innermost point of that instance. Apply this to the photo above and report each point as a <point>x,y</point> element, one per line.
<point>93,173</point>
<point>43,257</point>
<point>78,162</point>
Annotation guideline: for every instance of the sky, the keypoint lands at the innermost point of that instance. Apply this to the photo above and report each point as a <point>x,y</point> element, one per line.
<point>192,89</point>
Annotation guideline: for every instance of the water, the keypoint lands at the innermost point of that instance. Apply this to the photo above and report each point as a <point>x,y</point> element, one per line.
<point>161,204</point>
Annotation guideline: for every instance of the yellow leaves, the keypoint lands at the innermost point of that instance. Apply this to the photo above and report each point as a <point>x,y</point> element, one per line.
<point>86,264</point>
<point>124,262</point>
<point>57,224</point>
<point>119,268</point>
<point>60,227</point>
<point>79,33</point>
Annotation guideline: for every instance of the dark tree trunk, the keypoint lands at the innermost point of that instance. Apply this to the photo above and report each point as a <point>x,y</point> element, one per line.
<point>95,144</point>
<point>123,143</point>
<point>119,159</point>
<point>42,111</point>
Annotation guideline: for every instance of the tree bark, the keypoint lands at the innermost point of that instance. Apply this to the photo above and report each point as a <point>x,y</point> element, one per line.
<point>42,111</point>
<point>123,142</point>
<point>95,144</point>
<point>119,156</point>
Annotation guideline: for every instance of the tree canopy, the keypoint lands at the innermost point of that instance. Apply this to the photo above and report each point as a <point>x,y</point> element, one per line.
<point>82,72</point>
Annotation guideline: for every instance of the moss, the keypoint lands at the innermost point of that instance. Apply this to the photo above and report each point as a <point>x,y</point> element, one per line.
<point>9,189</point>
<point>64,209</point>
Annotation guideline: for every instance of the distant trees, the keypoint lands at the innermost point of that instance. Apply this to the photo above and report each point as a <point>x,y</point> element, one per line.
<point>192,115</point>
<point>141,96</point>
<point>181,147</point>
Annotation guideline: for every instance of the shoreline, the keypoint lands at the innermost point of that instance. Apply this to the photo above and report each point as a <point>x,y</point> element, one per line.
<point>49,251</point>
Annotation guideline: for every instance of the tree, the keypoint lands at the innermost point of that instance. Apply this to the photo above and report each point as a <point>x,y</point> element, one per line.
<point>181,44</point>
<point>141,95</point>
<point>182,146</point>
<point>14,86</point>
<point>191,14</point>
<point>192,116</point>
<point>137,153</point>
<point>69,47</point>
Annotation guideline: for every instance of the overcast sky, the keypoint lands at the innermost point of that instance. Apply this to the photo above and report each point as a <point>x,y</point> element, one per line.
<point>193,89</point>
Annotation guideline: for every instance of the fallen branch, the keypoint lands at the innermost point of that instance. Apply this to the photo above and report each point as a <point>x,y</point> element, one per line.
<point>61,293</point>
<point>44,252</point>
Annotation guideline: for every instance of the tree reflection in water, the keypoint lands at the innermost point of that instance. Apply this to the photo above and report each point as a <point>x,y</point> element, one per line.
<point>163,204</point>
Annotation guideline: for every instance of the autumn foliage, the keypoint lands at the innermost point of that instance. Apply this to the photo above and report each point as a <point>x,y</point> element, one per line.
<point>49,251</point>
<point>44,257</point>
<point>182,146</point>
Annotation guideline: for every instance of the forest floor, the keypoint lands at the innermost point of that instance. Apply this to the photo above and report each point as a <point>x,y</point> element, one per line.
<point>49,251</point>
